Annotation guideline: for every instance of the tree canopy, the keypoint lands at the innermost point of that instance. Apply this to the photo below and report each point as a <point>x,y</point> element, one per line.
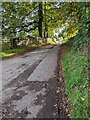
<point>42,18</point>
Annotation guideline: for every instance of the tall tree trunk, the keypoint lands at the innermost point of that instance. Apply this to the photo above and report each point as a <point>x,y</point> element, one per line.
<point>47,34</point>
<point>40,14</point>
<point>44,34</point>
<point>46,28</point>
<point>13,43</point>
<point>45,20</point>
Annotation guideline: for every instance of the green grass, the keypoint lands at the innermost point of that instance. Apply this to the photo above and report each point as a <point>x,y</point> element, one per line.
<point>76,79</point>
<point>16,51</point>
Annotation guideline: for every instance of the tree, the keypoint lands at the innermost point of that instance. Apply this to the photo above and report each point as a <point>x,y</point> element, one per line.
<point>40,14</point>
<point>19,18</point>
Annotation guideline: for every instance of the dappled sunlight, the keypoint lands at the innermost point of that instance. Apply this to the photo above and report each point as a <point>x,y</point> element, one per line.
<point>2,54</point>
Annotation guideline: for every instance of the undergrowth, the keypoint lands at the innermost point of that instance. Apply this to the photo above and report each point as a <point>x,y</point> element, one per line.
<point>15,51</point>
<point>76,79</point>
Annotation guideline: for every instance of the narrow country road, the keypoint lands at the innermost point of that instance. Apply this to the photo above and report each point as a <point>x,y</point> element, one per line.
<point>29,85</point>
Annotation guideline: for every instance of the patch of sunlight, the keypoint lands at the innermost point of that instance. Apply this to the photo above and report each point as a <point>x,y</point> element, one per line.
<point>51,42</point>
<point>34,45</point>
<point>7,54</point>
<point>21,42</point>
<point>27,42</point>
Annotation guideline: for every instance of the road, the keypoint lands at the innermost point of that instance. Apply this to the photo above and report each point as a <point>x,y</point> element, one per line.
<point>29,85</point>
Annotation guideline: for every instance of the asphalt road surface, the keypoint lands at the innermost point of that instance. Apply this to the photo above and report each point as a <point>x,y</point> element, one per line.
<point>29,85</point>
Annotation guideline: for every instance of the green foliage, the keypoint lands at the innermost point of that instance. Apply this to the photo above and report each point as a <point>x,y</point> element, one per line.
<point>11,52</point>
<point>83,36</point>
<point>17,15</point>
<point>76,78</point>
<point>76,64</point>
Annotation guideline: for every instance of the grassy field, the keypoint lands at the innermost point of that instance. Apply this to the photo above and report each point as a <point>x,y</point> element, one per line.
<point>76,78</point>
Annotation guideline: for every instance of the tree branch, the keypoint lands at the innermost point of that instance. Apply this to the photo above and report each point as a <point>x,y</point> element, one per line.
<point>28,14</point>
<point>28,24</point>
<point>31,28</point>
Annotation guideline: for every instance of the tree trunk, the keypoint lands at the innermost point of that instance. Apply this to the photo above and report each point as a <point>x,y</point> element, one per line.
<point>46,28</point>
<point>40,14</point>
<point>47,34</point>
<point>44,34</point>
<point>13,43</point>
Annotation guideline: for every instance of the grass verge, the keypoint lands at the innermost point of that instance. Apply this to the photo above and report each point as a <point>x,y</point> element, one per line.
<point>16,51</point>
<point>8,53</point>
<point>75,74</point>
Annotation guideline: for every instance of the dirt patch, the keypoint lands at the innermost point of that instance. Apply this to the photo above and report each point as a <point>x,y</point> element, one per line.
<point>63,110</point>
<point>37,85</point>
<point>64,102</point>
